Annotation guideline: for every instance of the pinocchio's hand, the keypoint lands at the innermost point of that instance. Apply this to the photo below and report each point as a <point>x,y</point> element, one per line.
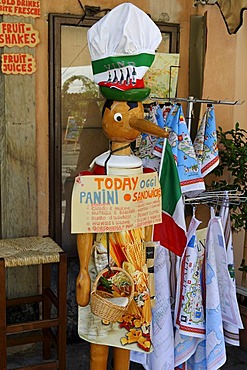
<point>83,288</point>
<point>83,282</point>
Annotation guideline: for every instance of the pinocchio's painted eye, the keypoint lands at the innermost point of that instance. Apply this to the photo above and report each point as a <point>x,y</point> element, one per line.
<point>118,117</point>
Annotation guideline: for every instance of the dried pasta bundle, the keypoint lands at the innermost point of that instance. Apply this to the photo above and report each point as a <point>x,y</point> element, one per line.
<point>131,244</point>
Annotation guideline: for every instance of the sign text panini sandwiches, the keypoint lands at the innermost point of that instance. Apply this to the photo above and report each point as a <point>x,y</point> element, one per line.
<point>115,203</point>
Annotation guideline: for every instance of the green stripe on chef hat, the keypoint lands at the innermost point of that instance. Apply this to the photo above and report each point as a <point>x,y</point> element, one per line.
<point>109,63</point>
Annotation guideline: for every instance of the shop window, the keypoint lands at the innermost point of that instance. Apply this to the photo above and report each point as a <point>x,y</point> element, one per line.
<point>75,135</point>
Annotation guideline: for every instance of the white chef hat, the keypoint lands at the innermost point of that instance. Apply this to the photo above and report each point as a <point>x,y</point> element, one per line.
<point>122,46</point>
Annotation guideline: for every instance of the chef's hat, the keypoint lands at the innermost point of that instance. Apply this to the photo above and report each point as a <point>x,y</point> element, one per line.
<point>122,46</point>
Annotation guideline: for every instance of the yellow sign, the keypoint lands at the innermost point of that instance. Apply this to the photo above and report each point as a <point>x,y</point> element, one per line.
<point>18,64</point>
<point>18,34</point>
<point>115,203</point>
<point>25,8</point>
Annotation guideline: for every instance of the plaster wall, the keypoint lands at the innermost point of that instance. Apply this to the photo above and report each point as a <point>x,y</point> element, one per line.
<point>225,78</point>
<point>240,74</point>
<point>220,65</point>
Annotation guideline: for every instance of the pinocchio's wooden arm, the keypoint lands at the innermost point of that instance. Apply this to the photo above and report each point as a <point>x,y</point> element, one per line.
<point>148,233</point>
<point>83,282</point>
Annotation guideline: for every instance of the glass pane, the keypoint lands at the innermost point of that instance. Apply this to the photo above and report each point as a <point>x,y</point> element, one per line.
<point>164,46</point>
<point>82,135</point>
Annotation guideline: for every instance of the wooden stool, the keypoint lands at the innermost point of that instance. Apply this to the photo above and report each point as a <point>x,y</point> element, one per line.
<point>35,251</point>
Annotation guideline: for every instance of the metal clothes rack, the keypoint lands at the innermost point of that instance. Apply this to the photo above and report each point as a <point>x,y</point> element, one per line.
<point>214,197</point>
<point>191,100</point>
<point>220,197</point>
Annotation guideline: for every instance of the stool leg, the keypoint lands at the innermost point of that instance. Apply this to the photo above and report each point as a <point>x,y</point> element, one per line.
<point>62,311</point>
<point>3,333</point>
<point>46,309</point>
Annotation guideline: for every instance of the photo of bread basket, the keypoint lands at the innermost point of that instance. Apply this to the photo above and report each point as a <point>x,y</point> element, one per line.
<point>103,305</point>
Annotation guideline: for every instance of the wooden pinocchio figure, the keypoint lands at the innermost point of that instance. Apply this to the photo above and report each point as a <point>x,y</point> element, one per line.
<point>120,57</point>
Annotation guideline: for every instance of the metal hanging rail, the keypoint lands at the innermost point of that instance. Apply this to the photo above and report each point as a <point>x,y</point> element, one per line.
<point>191,100</point>
<point>233,197</point>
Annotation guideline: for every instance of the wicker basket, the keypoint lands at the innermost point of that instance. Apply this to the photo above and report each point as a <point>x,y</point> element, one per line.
<point>102,307</point>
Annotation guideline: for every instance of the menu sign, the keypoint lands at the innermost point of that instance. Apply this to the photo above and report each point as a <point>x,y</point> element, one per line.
<point>25,8</point>
<point>18,64</point>
<point>115,203</point>
<point>18,34</point>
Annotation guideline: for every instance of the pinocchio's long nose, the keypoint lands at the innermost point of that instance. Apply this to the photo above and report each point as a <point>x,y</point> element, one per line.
<point>147,127</point>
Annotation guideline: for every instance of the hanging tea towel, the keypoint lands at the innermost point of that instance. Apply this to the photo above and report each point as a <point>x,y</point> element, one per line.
<point>205,143</point>
<point>191,180</point>
<point>190,305</point>
<point>221,305</point>
<point>228,299</point>
<point>161,115</point>
<point>162,356</point>
<point>148,142</point>
<point>231,331</point>
<point>215,343</point>
<point>189,313</point>
<point>209,353</point>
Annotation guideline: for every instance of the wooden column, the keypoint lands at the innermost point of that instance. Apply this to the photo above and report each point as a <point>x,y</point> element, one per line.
<point>18,209</point>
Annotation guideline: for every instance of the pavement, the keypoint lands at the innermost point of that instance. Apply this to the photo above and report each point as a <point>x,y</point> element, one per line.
<point>78,357</point>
